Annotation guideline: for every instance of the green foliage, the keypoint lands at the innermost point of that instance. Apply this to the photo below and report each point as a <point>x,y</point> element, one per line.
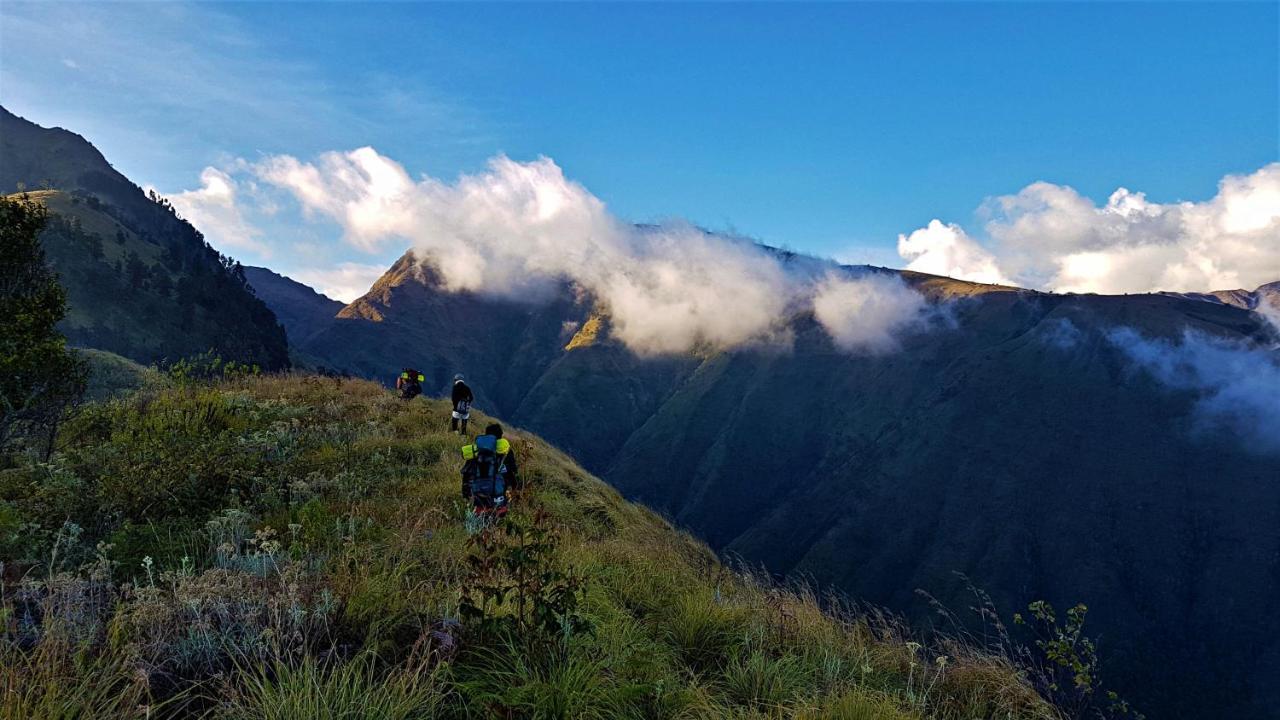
<point>1072,661</point>
<point>857,705</point>
<point>39,377</point>
<point>208,367</point>
<point>512,683</point>
<point>515,590</point>
<point>112,376</point>
<point>158,291</point>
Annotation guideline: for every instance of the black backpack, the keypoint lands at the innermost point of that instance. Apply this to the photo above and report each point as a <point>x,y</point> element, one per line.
<point>487,486</point>
<point>411,386</point>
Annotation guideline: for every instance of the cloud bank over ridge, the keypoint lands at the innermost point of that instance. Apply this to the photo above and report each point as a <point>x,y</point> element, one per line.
<point>518,229</point>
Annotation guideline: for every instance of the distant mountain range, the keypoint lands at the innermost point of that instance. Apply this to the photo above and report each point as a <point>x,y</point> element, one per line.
<point>301,310</point>
<point>1020,440</point>
<point>141,282</point>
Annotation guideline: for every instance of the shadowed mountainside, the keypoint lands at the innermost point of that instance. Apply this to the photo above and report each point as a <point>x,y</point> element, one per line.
<point>301,310</point>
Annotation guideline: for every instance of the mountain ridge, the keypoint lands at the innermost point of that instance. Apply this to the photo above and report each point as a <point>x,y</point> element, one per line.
<point>141,281</point>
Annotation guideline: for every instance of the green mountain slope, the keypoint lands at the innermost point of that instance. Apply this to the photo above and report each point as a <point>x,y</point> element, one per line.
<point>294,547</point>
<point>1015,441</point>
<point>141,282</point>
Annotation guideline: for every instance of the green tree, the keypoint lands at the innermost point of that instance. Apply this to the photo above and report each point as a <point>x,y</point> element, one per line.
<point>95,247</point>
<point>136,270</point>
<point>39,376</point>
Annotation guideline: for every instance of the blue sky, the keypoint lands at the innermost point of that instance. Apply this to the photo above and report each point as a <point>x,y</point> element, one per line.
<point>825,128</point>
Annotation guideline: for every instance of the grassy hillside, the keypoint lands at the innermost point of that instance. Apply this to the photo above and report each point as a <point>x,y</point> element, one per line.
<point>111,375</point>
<point>294,547</point>
<point>141,282</point>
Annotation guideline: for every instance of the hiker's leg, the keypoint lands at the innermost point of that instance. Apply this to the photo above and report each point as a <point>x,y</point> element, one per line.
<point>453,424</point>
<point>464,425</point>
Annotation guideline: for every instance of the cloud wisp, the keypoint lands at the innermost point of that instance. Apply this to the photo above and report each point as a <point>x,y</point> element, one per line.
<point>518,229</point>
<point>1050,237</point>
<point>1237,387</point>
<point>214,209</point>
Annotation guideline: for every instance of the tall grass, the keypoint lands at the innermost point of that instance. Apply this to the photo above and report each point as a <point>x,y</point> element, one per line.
<point>317,690</point>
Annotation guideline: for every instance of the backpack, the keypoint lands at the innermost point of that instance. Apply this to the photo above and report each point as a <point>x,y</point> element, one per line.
<point>487,486</point>
<point>411,386</point>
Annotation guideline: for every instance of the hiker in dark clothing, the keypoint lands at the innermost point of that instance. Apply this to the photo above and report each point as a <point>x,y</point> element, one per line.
<point>462,399</point>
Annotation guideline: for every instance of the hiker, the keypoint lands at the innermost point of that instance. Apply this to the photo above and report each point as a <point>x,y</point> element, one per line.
<point>462,399</point>
<point>490,469</point>
<point>410,383</point>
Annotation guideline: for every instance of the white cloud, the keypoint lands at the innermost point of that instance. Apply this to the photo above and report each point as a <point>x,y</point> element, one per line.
<point>213,210</point>
<point>866,314</point>
<point>947,250</point>
<point>345,282</point>
<point>1237,386</point>
<point>1050,237</point>
<point>518,229</point>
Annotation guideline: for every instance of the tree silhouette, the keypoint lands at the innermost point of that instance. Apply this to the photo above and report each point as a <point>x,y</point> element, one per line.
<point>39,376</point>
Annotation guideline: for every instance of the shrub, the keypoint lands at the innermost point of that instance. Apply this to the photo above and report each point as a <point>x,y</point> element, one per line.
<point>515,589</point>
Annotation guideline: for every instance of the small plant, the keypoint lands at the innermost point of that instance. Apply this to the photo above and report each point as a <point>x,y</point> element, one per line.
<point>1071,680</point>
<point>512,567</point>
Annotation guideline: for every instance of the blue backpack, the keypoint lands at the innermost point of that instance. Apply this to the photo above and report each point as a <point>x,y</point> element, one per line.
<point>487,485</point>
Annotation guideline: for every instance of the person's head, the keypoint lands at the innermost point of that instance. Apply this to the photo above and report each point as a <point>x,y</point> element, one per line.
<point>457,378</point>
<point>493,429</point>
